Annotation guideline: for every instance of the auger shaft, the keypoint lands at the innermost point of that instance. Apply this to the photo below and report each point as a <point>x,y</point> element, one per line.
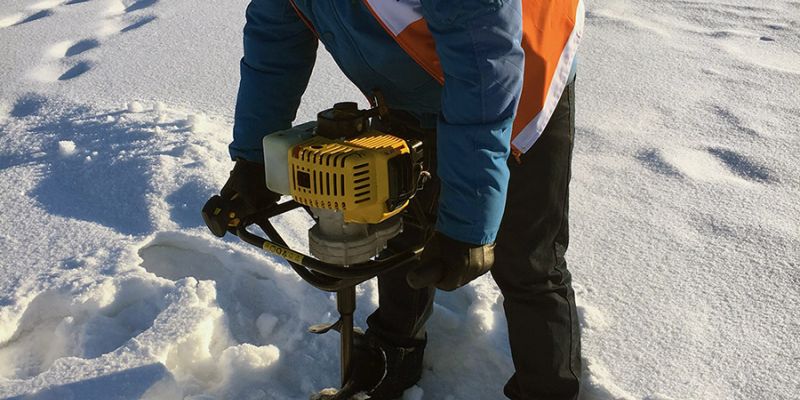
<point>346,305</point>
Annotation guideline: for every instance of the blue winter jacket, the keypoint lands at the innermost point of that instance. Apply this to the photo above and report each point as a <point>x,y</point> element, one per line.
<point>478,43</point>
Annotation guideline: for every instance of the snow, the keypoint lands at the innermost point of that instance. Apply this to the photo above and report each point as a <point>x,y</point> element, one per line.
<point>135,107</point>
<point>66,148</point>
<point>114,121</point>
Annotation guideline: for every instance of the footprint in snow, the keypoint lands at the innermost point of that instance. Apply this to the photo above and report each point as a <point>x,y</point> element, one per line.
<point>138,5</point>
<point>710,165</point>
<point>653,160</point>
<point>742,166</point>
<point>138,23</point>
<point>54,325</point>
<point>36,12</point>
<point>76,71</point>
<point>49,71</point>
<point>21,19</point>
<point>57,64</point>
<point>70,48</point>
<point>729,117</point>
<point>81,46</point>
<point>36,16</point>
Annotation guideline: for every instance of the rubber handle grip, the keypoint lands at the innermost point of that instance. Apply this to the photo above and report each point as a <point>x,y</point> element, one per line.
<point>216,215</point>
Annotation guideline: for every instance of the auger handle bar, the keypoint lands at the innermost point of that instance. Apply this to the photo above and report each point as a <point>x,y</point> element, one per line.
<point>322,275</point>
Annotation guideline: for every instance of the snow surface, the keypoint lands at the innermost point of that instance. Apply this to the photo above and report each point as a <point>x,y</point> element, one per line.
<point>114,121</point>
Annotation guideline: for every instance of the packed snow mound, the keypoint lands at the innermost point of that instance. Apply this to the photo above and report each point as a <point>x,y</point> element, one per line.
<point>115,116</point>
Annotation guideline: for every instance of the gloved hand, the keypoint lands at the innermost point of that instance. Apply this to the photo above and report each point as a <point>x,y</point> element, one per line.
<point>449,264</point>
<point>244,194</point>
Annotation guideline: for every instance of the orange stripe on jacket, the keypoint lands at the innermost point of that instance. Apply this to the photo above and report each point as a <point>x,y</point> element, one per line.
<point>549,30</point>
<point>423,50</point>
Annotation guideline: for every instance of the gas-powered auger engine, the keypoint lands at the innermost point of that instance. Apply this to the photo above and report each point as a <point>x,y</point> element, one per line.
<point>358,183</point>
<point>355,180</point>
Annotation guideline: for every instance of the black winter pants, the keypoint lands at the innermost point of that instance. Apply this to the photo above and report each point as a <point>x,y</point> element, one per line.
<point>530,270</point>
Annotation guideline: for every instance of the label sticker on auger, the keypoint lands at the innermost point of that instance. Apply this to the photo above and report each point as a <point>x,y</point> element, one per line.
<point>284,252</point>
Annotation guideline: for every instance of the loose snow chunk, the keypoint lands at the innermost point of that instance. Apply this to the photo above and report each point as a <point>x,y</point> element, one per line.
<point>246,357</point>
<point>135,107</point>
<point>66,148</point>
<point>243,365</point>
<point>196,122</point>
<point>413,393</point>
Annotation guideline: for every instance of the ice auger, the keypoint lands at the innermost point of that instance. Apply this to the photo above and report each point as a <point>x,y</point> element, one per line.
<point>358,183</point>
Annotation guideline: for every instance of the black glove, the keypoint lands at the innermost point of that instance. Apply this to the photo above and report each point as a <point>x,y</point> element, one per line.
<point>449,264</point>
<point>244,194</point>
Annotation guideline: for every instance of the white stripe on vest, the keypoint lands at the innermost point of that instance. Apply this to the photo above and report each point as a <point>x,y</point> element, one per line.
<point>397,14</point>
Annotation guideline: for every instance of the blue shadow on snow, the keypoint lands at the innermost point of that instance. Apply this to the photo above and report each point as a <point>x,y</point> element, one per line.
<point>187,202</point>
<point>110,187</point>
<point>127,384</point>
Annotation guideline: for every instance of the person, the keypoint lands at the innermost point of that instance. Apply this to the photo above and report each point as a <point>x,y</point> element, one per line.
<point>494,211</point>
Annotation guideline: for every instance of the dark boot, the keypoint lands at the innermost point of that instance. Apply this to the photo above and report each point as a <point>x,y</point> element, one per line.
<point>384,371</point>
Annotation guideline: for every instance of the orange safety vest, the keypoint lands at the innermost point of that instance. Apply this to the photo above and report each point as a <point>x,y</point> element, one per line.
<point>551,33</point>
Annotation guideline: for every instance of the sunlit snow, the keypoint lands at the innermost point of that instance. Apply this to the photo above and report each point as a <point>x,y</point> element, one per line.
<point>115,117</point>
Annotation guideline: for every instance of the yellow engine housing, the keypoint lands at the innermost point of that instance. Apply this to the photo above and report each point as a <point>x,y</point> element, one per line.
<point>350,175</point>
